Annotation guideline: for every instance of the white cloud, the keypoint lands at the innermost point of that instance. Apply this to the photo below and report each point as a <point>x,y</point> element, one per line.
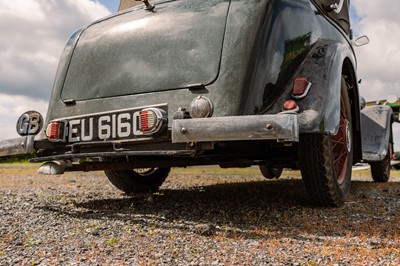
<point>11,107</point>
<point>383,10</point>
<point>379,61</point>
<point>34,33</point>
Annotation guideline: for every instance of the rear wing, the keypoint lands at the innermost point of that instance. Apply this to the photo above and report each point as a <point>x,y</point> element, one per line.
<point>395,105</point>
<point>376,132</point>
<point>377,118</point>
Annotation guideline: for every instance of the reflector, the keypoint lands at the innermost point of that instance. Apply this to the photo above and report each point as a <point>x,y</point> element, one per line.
<point>148,120</point>
<point>55,131</point>
<point>301,87</point>
<point>289,105</point>
<point>52,132</point>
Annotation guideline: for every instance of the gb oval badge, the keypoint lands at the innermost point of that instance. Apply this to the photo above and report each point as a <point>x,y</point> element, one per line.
<point>29,123</point>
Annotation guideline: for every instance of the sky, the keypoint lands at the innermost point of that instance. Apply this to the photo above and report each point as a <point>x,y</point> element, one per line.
<point>34,33</point>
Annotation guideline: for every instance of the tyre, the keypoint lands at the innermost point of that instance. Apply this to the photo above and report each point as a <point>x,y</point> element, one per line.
<point>270,172</point>
<point>381,170</point>
<point>326,161</point>
<point>142,180</point>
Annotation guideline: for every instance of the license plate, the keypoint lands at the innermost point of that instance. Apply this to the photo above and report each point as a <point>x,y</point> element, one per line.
<point>115,125</point>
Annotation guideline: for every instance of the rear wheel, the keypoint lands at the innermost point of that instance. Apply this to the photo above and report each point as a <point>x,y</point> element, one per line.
<point>139,180</point>
<point>381,170</point>
<point>270,172</point>
<point>326,161</point>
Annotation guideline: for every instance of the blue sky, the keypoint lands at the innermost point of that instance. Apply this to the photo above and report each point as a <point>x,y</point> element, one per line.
<point>112,5</point>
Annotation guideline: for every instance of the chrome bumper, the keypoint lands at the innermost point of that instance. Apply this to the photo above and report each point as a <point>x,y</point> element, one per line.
<point>279,127</point>
<point>16,146</point>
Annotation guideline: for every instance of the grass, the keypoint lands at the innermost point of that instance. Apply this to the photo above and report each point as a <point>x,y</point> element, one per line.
<point>26,172</point>
<point>22,158</point>
<point>112,241</point>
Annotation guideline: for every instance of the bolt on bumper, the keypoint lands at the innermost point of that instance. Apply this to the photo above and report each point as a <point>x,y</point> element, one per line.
<point>22,145</point>
<point>279,127</point>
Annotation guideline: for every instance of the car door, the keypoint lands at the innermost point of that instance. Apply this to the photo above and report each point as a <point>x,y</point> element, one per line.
<point>337,10</point>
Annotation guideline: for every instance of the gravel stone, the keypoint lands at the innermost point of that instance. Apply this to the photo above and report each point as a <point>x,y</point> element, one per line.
<point>199,217</point>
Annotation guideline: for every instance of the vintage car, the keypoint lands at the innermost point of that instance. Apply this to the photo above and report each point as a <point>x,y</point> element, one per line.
<point>381,169</point>
<point>233,83</point>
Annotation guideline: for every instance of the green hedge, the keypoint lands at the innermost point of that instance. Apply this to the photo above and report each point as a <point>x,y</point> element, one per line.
<point>22,158</point>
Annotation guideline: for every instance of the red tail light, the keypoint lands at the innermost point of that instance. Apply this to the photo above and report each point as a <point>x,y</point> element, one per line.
<point>151,120</point>
<point>301,87</point>
<point>147,120</point>
<point>290,105</point>
<point>56,131</point>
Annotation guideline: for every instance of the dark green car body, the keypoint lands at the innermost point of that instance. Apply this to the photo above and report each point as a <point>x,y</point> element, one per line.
<point>242,55</point>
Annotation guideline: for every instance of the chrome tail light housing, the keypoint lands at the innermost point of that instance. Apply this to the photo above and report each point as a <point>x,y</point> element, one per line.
<point>57,131</point>
<point>152,120</point>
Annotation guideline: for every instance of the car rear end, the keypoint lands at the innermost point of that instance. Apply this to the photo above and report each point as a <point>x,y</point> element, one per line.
<point>154,88</point>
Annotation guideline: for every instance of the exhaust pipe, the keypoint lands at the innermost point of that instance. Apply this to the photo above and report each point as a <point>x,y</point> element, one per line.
<point>54,167</point>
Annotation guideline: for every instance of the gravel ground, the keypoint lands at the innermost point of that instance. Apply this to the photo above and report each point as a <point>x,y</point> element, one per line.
<point>201,216</point>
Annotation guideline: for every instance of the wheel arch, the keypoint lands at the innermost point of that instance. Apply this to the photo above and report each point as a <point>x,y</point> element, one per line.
<point>349,73</point>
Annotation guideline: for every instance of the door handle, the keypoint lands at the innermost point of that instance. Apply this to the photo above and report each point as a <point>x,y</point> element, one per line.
<point>337,7</point>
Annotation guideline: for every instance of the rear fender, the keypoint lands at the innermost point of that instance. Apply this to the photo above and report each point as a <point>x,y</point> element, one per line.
<point>376,122</point>
<point>320,110</point>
